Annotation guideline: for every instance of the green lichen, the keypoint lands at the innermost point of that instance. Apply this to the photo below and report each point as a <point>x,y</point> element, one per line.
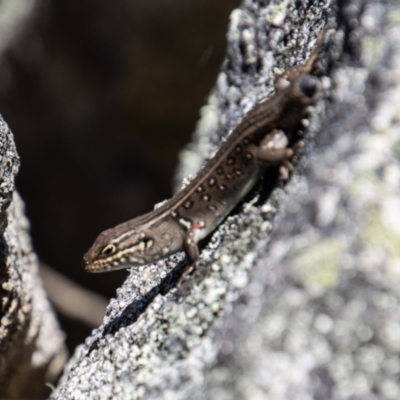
<point>373,50</point>
<point>364,178</point>
<point>278,13</point>
<point>379,236</point>
<point>396,149</point>
<point>393,17</point>
<point>321,264</point>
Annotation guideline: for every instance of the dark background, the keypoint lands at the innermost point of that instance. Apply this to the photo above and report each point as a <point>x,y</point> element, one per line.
<point>101,96</point>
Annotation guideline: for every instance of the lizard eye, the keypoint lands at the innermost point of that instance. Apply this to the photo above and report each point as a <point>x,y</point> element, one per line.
<point>108,250</point>
<point>308,85</point>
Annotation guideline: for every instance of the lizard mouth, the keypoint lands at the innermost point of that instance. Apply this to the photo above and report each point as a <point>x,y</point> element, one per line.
<point>96,267</point>
<point>91,266</point>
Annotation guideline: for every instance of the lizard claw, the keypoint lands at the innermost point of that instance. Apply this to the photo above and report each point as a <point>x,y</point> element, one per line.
<point>187,271</point>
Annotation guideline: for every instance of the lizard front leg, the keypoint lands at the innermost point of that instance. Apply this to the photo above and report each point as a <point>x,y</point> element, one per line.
<point>192,254</point>
<point>274,150</point>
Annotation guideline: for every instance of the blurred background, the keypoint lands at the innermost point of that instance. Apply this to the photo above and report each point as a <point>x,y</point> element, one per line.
<point>101,96</point>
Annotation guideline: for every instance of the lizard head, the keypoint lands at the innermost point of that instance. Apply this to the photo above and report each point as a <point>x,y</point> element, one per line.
<point>111,251</point>
<point>299,88</point>
<point>298,91</point>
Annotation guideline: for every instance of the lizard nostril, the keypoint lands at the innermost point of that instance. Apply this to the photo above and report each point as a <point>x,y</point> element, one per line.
<point>85,262</point>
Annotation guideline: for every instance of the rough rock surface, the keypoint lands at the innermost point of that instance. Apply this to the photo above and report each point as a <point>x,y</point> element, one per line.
<point>313,315</point>
<point>31,344</point>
